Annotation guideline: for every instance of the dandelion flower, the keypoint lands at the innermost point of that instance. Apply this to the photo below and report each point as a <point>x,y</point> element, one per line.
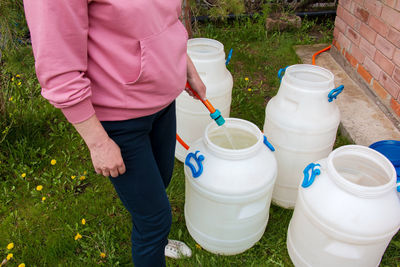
<point>39,187</point>
<point>102,255</point>
<point>82,178</point>
<point>9,256</point>
<point>73,177</point>
<point>10,99</point>
<point>23,175</point>
<point>21,265</point>
<point>10,246</point>
<point>12,79</point>
<point>249,89</point>
<point>17,76</point>
<point>198,246</point>
<point>83,221</point>
<point>43,199</point>
<point>246,79</point>
<point>78,236</point>
<point>53,162</point>
<point>85,172</point>
<point>19,83</point>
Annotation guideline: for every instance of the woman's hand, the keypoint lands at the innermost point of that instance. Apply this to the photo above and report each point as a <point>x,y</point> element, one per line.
<point>105,153</point>
<point>195,81</point>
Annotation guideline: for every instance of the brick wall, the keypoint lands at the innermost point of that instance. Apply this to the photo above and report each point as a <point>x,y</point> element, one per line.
<point>367,34</point>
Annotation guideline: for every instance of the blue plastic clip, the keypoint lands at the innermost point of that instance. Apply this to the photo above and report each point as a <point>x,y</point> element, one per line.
<point>229,57</point>
<point>281,72</point>
<point>268,144</point>
<point>217,117</point>
<point>198,160</point>
<point>334,93</point>
<point>307,181</point>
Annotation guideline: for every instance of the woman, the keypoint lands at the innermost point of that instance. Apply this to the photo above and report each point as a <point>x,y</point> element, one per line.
<point>114,68</point>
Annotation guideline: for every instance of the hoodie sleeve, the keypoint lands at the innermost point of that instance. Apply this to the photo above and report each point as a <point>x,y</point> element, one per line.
<point>59,32</point>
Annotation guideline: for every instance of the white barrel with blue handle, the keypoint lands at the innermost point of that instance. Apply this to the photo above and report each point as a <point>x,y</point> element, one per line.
<point>192,118</point>
<point>228,191</point>
<point>301,122</point>
<point>347,210</point>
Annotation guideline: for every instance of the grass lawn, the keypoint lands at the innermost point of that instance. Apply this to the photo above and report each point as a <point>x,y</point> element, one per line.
<point>39,148</point>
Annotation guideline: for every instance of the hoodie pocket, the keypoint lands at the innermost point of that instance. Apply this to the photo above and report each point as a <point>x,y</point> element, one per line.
<point>163,66</point>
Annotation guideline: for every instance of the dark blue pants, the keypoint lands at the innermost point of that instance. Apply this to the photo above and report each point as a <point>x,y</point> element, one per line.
<point>147,145</point>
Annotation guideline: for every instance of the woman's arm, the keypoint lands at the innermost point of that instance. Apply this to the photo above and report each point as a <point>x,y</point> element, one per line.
<point>105,153</point>
<point>194,80</point>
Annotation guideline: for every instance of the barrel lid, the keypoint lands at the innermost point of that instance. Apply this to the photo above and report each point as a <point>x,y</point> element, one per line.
<point>391,150</point>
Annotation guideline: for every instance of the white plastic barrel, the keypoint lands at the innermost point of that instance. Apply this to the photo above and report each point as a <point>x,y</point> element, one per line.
<point>301,122</point>
<point>228,191</point>
<point>347,210</point>
<point>192,116</point>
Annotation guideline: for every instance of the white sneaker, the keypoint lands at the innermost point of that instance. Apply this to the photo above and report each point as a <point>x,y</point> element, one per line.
<point>177,249</point>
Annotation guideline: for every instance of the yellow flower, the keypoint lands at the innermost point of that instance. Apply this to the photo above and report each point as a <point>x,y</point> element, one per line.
<point>102,255</point>
<point>53,162</point>
<point>21,265</point>
<point>12,79</point>
<point>82,178</point>
<point>9,256</point>
<point>85,172</point>
<point>10,246</point>
<point>17,76</point>
<point>73,177</point>
<point>19,83</point>
<point>198,246</point>
<point>39,187</point>
<point>43,199</point>
<point>78,236</point>
<point>83,221</point>
<point>10,99</point>
<point>246,79</point>
<point>23,175</point>
<point>249,89</point>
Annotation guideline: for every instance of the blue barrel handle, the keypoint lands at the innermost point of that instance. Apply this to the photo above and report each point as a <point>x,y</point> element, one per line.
<point>198,160</point>
<point>335,92</point>
<point>281,72</point>
<point>268,144</point>
<point>229,57</point>
<point>309,180</point>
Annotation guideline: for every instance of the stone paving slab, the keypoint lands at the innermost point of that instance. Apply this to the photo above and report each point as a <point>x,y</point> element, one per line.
<point>362,119</point>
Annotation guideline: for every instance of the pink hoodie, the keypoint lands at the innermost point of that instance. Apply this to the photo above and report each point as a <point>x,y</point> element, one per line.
<point>120,59</point>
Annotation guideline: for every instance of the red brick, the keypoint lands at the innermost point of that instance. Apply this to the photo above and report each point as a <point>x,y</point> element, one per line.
<point>340,24</point>
<point>368,48</point>
<point>396,57</point>
<point>372,68</point>
<point>386,47</point>
<point>379,90</point>
<point>391,3</point>
<point>336,33</point>
<point>353,62</point>
<point>361,13</point>
<point>345,3</point>
<point>390,86</point>
<point>336,44</point>
<point>364,74</point>
<point>391,16</point>
<point>351,20</point>
<point>396,75</point>
<point>384,63</point>
<point>374,7</point>
<point>368,33</point>
<point>378,25</point>
<point>398,6</point>
<point>344,41</point>
<point>394,36</point>
<point>353,36</point>
<point>358,54</point>
<point>395,105</point>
